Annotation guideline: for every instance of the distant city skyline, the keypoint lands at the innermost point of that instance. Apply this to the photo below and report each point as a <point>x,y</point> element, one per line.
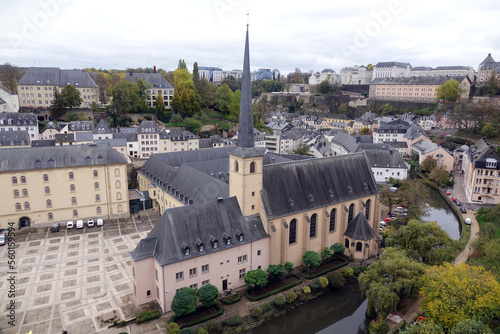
<point>72,34</point>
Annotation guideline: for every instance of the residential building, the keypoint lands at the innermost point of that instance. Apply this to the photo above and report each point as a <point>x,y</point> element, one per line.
<point>36,87</point>
<point>148,139</point>
<point>77,126</point>
<point>174,140</point>
<point>386,164</point>
<point>417,89</point>
<point>426,148</point>
<point>13,139</point>
<point>102,131</point>
<point>119,145</point>
<point>391,131</point>
<point>130,135</point>
<point>326,74</point>
<point>451,71</point>
<point>482,173</point>
<point>11,100</point>
<point>487,68</point>
<point>356,75</point>
<point>56,184</point>
<point>49,131</point>
<point>13,121</point>
<point>391,69</point>
<point>158,85</point>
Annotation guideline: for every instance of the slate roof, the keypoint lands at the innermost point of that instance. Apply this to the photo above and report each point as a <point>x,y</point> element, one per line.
<point>43,142</point>
<point>111,142</point>
<point>176,134</point>
<point>51,125</point>
<point>103,127</point>
<point>155,79</point>
<point>6,90</point>
<point>32,158</point>
<point>190,226</point>
<point>128,136</point>
<point>480,151</point>
<point>2,101</point>
<point>308,184</point>
<point>359,228</point>
<point>54,76</point>
<point>385,158</point>
<point>422,80</point>
<point>64,137</point>
<point>414,131</point>
<point>18,118</point>
<point>79,126</point>
<point>488,59</point>
<point>84,136</point>
<point>14,138</point>
<point>392,63</point>
<point>148,127</point>
<point>425,146</point>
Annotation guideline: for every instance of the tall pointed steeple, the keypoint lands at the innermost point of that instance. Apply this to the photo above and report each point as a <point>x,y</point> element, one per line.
<point>245,134</point>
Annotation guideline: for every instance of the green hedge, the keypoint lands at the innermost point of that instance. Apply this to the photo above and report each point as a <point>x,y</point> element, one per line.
<point>233,300</point>
<point>199,321</point>
<point>270,293</point>
<point>321,273</point>
<point>148,315</point>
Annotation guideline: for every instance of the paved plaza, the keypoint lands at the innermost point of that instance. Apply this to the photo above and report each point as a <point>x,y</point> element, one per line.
<point>71,278</point>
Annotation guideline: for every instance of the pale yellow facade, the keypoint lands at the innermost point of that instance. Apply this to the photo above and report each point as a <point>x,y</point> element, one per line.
<point>245,182</point>
<point>168,145</point>
<point>41,96</point>
<point>62,194</point>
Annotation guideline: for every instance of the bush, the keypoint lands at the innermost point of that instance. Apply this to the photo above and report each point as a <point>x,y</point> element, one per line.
<point>338,248</point>
<point>356,271</point>
<point>266,307</point>
<point>363,268</point>
<point>231,299</point>
<point>311,259</point>
<point>123,322</point>
<point>144,316</point>
<point>202,331</point>
<point>256,312</point>
<point>306,290</point>
<point>323,282</point>
<point>184,301</point>
<point>348,273</point>
<point>289,267</point>
<point>378,325</point>
<point>173,328</point>
<point>335,279</point>
<point>176,118</point>
<point>290,297</point>
<point>208,294</point>
<point>214,327</point>
<point>279,300</point>
<point>326,254</point>
<point>233,321</point>
<point>186,331</point>
<point>276,272</point>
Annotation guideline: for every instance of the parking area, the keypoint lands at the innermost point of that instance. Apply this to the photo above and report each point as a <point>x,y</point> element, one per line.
<point>71,278</point>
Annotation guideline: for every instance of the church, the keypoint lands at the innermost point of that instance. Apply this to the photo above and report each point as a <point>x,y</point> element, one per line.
<point>227,211</point>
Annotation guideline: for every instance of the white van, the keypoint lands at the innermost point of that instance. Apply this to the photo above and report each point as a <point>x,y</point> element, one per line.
<point>100,222</point>
<point>394,189</point>
<point>70,225</point>
<point>468,221</point>
<point>79,223</point>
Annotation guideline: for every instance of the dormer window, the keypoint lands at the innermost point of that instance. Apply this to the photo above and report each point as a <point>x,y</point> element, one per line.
<point>214,242</point>
<point>491,163</point>
<point>239,235</point>
<point>185,248</point>
<point>201,245</point>
<point>227,238</point>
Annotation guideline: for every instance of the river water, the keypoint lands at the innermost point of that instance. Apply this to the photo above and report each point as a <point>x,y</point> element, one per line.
<point>342,311</point>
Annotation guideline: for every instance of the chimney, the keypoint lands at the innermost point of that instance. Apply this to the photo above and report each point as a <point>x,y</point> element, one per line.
<point>154,69</point>
<point>390,151</point>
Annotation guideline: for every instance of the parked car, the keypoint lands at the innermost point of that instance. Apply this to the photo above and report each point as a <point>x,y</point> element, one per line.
<point>453,199</point>
<point>90,222</point>
<point>3,237</point>
<point>468,221</point>
<point>79,223</point>
<point>458,203</point>
<point>394,189</point>
<point>462,210</point>
<point>55,227</point>
<point>387,220</point>
<point>70,225</point>
<point>448,192</point>
<point>100,222</point>
<point>383,223</point>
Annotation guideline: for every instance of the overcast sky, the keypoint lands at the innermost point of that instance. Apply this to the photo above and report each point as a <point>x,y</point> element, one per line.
<point>311,35</point>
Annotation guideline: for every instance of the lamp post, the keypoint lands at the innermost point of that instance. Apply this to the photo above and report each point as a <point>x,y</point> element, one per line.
<point>468,256</point>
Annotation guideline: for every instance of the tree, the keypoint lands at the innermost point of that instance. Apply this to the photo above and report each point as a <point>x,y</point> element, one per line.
<point>71,96</point>
<point>196,76</point>
<point>184,301</point>
<point>324,87</point>
<point>468,326</point>
<point>429,164</point>
<point>326,254</point>
<point>338,248</point>
<point>223,97</point>
<point>428,327</point>
<point>206,92</point>
<point>192,125</point>
<point>449,91</point>
<point>9,76</point>
<point>343,108</point>
<point>142,87</point>
<point>184,100</point>
<point>440,175</point>
<point>208,294</point>
<point>234,106</point>
<point>423,242</point>
<point>387,281</point>
<point>492,86</point>
<point>173,328</point>
<point>126,97</point>
<point>288,267</point>
<point>57,105</point>
<point>303,150</point>
<point>297,76</point>
<point>490,130</point>
<point>257,277</point>
<point>102,84</point>
<point>182,65</point>
<point>311,259</point>
<point>276,272</point>
<point>452,293</point>
<point>161,111</point>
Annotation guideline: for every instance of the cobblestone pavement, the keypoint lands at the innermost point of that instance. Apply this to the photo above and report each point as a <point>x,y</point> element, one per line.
<point>69,279</point>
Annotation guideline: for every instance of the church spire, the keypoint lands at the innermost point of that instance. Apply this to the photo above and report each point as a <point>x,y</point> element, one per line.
<point>245,135</point>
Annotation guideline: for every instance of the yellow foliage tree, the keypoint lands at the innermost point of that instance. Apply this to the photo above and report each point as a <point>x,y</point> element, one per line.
<point>453,293</point>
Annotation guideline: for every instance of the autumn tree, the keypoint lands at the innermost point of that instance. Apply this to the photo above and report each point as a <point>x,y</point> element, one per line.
<point>71,96</point>
<point>184,101</point>
<point>102,85</point>
<point>452,293</point>
<point>423,242</point>
<point>449,91</point>
<point>161,111</point>
<point>440,175</point>
<point>57,106</point>
<point>429,164</point>
<point>364,131</point>
<point>428,327</point>
<point>491,86</point>
<point>343,108</point>
<point>394,277</point>
<point>206,93</point>
<point>9,76</point>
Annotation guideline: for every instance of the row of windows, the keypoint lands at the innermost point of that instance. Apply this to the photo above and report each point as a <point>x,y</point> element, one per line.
<point>292,236</point>
<point>71,176</point>
<point>252,167</point>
